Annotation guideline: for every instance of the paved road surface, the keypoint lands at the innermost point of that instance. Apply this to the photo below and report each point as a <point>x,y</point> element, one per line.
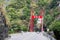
<point>30,36</point>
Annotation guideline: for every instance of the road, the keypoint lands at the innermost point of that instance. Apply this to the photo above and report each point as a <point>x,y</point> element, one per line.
<point>29,36</point>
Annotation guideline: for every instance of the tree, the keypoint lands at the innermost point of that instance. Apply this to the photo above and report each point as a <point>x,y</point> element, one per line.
<point>18,11</point>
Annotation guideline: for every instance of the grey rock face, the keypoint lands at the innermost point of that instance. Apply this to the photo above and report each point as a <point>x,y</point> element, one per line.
<point>3,27</point>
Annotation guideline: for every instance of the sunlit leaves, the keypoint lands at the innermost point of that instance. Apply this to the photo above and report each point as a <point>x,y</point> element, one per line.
<point>55,25</point>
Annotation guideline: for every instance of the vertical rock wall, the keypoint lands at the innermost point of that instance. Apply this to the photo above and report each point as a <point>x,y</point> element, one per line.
<point>3,26</point>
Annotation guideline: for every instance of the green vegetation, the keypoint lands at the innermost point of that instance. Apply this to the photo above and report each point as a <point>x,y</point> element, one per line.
<point>55,25</point>
<point>18,13</point>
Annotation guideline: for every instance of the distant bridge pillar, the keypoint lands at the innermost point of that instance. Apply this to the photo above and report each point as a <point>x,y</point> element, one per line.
<point>40,20</point>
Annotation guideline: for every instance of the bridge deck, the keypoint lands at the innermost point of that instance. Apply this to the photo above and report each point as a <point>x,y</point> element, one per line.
<point>29,36</point>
